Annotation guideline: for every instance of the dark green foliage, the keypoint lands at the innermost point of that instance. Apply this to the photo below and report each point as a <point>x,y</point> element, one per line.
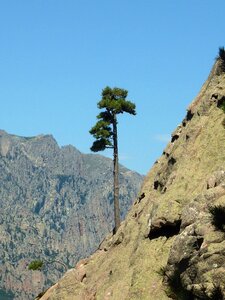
<point>100,145</point>
<point>222,106</point>
<point>216,294</point>
<point>222,53</point>
<point>36,265</point>
<point>176,290</point>
<point>218,216</point>
<point>103,134</point>
<point>101,130</point>
<point>221,58</point>
<point>41,294</point>
<point>114,102</point>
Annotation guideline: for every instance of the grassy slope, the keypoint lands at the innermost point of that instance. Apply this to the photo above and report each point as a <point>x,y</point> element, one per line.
<point>127,265</point>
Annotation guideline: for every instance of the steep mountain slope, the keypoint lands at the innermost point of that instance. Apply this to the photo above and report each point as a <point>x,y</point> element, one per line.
<point>56,204</point>
<point>167,247</point>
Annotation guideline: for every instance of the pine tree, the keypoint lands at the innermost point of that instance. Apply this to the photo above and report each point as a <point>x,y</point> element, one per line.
<point>105,132</point>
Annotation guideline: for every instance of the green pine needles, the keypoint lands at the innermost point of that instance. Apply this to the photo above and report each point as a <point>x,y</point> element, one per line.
<point>36,265</point>
<point>221,59</point>
<point>218,216</point>
<point>113,102</point>
<point>222,53</point>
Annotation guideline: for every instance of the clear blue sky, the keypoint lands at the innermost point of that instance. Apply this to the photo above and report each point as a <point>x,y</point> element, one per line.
<point>57,55</point>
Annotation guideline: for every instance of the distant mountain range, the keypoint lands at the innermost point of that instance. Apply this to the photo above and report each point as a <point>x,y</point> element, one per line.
<point>56,204</point>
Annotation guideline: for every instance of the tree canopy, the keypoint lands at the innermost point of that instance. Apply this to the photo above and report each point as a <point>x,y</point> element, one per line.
<point>114,102</point>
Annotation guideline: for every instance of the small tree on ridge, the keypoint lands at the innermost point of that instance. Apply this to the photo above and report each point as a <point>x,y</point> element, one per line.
<point>105,132</point>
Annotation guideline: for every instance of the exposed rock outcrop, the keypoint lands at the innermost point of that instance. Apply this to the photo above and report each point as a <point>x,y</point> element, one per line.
<point>168,247</point>
<point>56,205</point>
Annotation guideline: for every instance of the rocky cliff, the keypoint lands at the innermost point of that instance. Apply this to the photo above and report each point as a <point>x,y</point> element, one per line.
<point>168,247</point>
<point>57,205</point>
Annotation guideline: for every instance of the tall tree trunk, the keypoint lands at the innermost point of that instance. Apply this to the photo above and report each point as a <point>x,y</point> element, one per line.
<point>116,176</point>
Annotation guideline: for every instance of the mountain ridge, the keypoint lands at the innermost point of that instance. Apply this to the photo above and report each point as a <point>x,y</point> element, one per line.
<point>53,200</point>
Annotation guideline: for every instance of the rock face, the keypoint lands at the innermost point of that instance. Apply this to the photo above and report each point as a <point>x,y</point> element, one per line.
<point>56,205</point>
<point>168,247</point>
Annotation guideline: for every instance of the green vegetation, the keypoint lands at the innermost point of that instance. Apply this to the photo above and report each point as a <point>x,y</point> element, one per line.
<point>222,53</point>
<point>39,264</point>
<point>105,133</point>
<point>36,265</point>
<point>216,293</point>
<point>218,216</point>
<point>177,292</point>
<point>175,288</point>
<point>221,58</point>
<point>222,106</point>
